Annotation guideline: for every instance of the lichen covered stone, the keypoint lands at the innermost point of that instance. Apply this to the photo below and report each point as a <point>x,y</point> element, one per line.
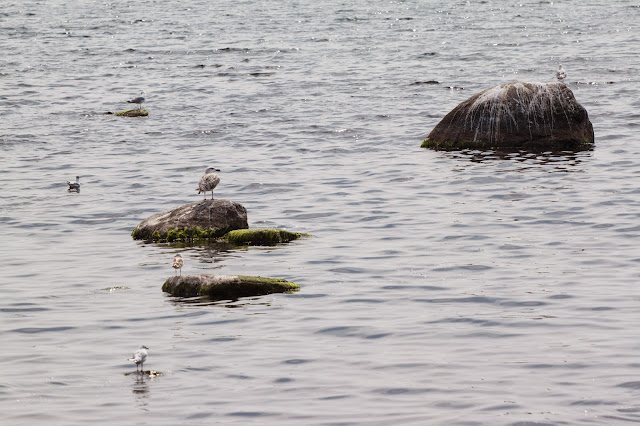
<point>225,287</point>
<point>516,116</point>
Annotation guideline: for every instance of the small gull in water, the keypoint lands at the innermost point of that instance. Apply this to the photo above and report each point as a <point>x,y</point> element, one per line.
<point>177,263</point>
<point>74,186</point>
<point>139,357</point>
<point>208,182</point>
<point>561,74</point>
<point>139,100</point>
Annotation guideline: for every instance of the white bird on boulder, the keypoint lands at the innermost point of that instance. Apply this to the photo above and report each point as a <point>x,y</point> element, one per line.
<point>177,263</point>
<point>208,182</point>
<point>74,186</point>
<point>561,74</point>
<point>139,357</point>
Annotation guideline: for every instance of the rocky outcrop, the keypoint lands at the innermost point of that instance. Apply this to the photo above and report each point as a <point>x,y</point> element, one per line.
<point>202,220</point>
<point>226,287</point>
<point>516,116</point>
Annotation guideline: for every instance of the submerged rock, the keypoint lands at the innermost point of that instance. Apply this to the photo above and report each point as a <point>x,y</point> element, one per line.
<point>133,113</point>
<point>225,287</point>
<point>150,373</point>
<point>262,237</point>
<point>516,116</point>
<point>202,220</point>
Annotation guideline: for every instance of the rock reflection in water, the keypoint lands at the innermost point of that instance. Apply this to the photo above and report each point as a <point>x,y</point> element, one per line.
<point>559,158</point>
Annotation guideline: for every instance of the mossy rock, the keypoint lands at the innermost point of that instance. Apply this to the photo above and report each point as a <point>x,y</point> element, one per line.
<point>181,235</point>
<point>133,113</point>
<point>226,287</point>
<point>205,220</point>
<point>262,237</point>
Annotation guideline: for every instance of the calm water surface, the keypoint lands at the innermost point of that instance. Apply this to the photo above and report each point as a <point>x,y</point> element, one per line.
<point>438,288</point>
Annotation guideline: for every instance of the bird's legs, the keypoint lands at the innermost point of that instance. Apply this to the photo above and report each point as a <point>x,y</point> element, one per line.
<point>212,195</point>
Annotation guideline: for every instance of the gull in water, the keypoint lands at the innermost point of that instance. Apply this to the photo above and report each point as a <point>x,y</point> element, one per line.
<point>177,263</point>
<point>139,100</point>
<point>561,74</point>
<point>74,186</point>
<point>139,357</point>
<point>208,182</point>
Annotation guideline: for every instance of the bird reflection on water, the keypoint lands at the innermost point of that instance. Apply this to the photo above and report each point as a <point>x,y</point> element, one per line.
<point>141,390</point>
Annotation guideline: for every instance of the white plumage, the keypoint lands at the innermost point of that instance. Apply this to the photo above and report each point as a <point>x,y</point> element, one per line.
<point>177,263</point>
<point>74,186</point>
<point>208,182</point>
<point>561,74</point>
<point>140,356</point>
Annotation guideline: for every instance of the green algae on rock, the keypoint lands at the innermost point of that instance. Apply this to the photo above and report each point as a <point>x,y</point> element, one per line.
<point>262,237</point>
<point>533,116</point>
<point>199,221</point>
<point>226,287</point>
<point>133,113</point>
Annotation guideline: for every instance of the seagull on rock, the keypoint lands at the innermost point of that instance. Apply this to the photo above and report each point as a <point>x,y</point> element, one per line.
<point>177,263</point>
<point>139,100</point>
<point>208,182</point>
<point>561,74</point>
<point>74,186</point>
<point>139,357</point>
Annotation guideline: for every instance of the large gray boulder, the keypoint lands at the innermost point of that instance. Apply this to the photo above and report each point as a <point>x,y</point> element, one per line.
<point>516,116</point>
<point>202,220</point>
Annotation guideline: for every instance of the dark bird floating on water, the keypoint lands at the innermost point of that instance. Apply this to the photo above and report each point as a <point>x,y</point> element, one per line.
<point>139,100</point>
<point>561,74</point>
<point>177,263</point>
<point>74,186</point>
<point>139,357</point>
<point>208,182</point>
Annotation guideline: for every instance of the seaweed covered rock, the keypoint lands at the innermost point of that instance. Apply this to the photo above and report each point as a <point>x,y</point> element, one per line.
<point>262,237</point>
<point>516,116</point>
<point>133,113</point>
<point>226,287</point>
<point>202,220</point>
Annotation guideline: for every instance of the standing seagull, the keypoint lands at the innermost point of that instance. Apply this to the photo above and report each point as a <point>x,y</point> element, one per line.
<point>561,74</point>
<point>208,182</point>
<point>74,186</point>
<point>139,357</point>
<point>139,100</point>
<point>177,263</point>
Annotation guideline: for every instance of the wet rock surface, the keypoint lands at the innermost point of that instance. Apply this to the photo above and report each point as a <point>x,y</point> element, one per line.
<point>202,220</point>
<point>132,113</point>
<point>516,116</point>
<point>225,287</point>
